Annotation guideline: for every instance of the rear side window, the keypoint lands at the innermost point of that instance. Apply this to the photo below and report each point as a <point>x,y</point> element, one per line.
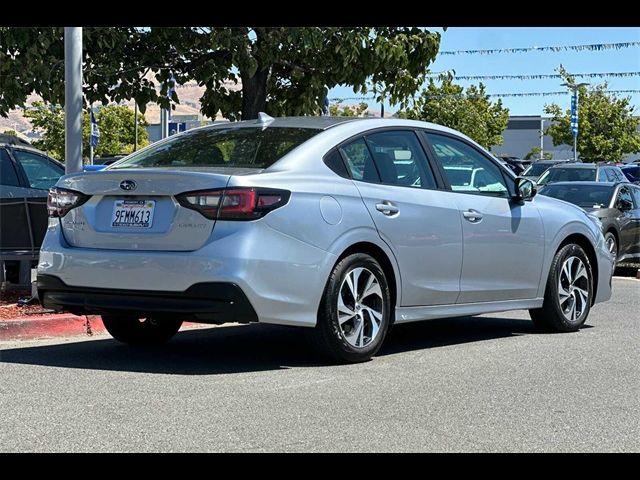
<point>222,147</point>
<point>8,175</point>
<point>636,195</point>
<point>333,160</point>
<point>400,159</point>
<point>359,161</point>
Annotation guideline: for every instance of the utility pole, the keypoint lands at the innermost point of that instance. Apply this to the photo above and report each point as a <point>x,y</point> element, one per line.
<point>73,99</point>
<point>541,138</point>
<point>574,114</point>
<point>135,125</point>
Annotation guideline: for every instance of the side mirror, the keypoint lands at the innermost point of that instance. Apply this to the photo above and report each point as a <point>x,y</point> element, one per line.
<point>526,189</point>
<point>624,205</point>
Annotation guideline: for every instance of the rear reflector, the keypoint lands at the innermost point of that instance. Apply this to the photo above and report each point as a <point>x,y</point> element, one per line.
<point>234,203</point>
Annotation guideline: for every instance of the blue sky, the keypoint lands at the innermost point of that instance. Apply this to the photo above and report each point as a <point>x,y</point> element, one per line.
<point>471,38</point>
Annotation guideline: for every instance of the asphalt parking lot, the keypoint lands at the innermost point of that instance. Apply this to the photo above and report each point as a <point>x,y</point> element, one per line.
<point>486,383</point>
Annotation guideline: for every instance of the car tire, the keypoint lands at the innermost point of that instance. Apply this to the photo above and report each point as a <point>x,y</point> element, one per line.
<point>611,244</point>
<point>140,331</point>
<point>352,329</point>
<point>568,294</point>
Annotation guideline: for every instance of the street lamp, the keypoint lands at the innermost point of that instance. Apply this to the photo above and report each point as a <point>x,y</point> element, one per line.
<point>574,114</point>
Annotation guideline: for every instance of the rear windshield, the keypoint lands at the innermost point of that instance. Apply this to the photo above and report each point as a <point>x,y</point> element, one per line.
<point>560,174</point>
<point>586,196</point>
<point>221,147</point>
<point>537,169</point>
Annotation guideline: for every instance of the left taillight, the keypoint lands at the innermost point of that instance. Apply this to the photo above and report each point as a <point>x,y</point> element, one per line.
<point>234,203</point>
<point>61,200</point>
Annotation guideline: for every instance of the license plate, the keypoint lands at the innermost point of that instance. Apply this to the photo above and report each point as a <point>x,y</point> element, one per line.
<point>133,213</point>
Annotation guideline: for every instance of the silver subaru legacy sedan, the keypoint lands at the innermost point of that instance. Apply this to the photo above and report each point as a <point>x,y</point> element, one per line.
<point>341,225</point>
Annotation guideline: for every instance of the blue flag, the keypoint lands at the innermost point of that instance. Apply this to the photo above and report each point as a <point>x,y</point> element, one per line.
<point>95,132</point>
<point>574,114</point>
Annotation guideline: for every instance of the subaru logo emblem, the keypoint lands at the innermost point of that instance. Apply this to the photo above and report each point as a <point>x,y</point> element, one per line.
<point>128,185</point>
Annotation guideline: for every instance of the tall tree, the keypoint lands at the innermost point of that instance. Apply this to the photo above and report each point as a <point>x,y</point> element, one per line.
<point>278,70</point>
<point>607,127</point>
<point>470,112</point>
<point>117,134</point>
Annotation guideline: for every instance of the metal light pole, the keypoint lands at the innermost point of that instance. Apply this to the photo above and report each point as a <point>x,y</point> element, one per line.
<point>574,114</point>
<point>73,99</point>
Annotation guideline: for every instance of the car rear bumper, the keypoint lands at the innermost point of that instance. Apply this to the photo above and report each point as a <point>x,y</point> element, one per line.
<point>209,302</point>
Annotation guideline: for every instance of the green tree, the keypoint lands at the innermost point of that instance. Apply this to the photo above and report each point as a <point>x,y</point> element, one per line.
<point>470,112</point>
<point>339,110</point>
<point>535,153</point>
<point>607,126</point>
<point>117,133</point>
<point>281,70</point>
<point>11,133</point>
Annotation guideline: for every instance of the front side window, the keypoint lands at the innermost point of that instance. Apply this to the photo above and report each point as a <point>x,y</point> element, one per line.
<point>400,159</point>
<point>221,147</point>
<point>41,173</point>
<point>467,170</point>
<point>625,194</point>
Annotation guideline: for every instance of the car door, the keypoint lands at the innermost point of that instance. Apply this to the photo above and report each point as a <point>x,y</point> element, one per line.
<point>503,240</point>
<point>39,173</point>
<point>422,229</point>
<point>627,225</point>
<point>15,233</point>
<point>635,191</point>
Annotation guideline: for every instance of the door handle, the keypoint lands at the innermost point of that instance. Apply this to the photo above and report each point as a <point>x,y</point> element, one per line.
<point>387,208</point>
<point>472,215</point>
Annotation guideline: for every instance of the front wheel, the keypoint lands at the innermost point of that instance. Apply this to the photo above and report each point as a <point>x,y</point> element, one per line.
<point>355,310</point>
<point>568,294</point>
<point>612,245</point>
<point>140,331</point>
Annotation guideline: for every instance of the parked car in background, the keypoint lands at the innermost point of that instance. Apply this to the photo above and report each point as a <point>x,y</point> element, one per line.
<point>26,174</point>
<point>632,172</point>
<point>517,165</point>
<point>582,172</point>
<point>536,169</point>
<point>108,159</point>
<point>341,225</point>
<point>617,205</point>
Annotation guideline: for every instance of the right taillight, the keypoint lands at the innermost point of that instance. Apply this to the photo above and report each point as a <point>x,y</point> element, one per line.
<point>243,203</point>
<point>61,200</point>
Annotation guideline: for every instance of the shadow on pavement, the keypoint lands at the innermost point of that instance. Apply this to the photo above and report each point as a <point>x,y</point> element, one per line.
<point>251,348</point>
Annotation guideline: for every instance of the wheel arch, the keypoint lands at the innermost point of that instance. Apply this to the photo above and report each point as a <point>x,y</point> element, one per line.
<point>590,251</point>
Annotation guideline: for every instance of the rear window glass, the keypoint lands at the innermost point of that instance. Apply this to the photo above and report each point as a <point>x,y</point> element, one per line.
<point>587,196</point>
<point>221,147</point>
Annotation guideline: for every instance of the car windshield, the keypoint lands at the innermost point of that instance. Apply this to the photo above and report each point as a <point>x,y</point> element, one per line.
<point>586,196</point>
<point>221,147</point>
<point>563,174</point>
<point>537,169</point>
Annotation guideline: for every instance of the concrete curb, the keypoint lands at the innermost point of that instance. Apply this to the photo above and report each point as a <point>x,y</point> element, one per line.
<point>55,325</point>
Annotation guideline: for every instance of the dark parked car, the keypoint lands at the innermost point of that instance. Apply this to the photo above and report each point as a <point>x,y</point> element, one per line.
<point>109,159</point>
<point>515,164</point>
<point>536,169</point>
<point>617,205</point>
<point>632,172</point>
<point>26,174</point>
<point>582,172</point>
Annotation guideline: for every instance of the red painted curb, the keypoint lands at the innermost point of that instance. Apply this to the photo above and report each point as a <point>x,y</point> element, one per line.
<point>58,325</point>
<point>62,324</point>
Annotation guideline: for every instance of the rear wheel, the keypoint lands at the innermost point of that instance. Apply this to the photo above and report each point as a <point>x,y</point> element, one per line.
<point>140,331</point>
<point>355,310</point>
<point>567,298</point>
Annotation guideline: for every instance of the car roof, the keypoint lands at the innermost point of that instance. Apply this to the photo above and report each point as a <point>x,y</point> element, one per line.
<point>585,183</point>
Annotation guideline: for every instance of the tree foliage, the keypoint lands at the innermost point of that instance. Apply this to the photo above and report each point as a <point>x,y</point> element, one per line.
<point>339,110</point>
<point>607,128</point>
<point>117,133</point>
<point>534,153</point>
<point>282,71</point>
<point>470,112</point>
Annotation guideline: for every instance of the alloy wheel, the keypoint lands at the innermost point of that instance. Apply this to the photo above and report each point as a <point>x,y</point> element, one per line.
<point>573,288</point>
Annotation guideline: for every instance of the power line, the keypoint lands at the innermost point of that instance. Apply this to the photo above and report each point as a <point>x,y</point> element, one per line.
<point>554,48</point>
<point>539,76</point>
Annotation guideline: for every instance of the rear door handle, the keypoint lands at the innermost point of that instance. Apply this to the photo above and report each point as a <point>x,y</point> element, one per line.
<point>472,215</point>
<point>387,208</point>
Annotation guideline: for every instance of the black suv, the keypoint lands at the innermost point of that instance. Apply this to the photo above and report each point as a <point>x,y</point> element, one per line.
<point>26,174</point>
